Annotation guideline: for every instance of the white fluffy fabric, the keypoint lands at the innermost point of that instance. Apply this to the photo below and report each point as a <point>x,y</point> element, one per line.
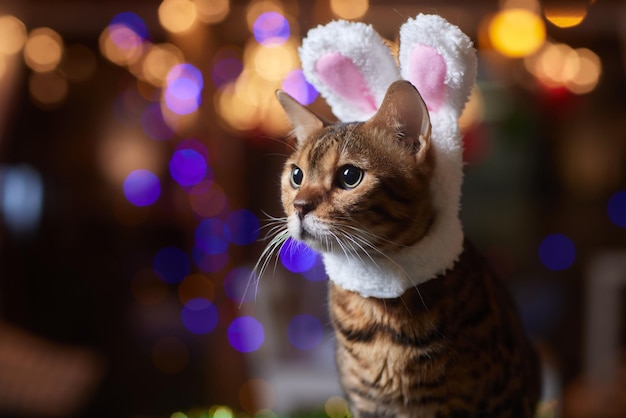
<point>392,275</point>
<point>364,47</point>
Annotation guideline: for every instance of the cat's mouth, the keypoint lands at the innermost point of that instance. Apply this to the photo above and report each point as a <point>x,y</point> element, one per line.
<point>310,230</point>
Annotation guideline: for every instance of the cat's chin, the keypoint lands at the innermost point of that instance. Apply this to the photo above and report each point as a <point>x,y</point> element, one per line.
<point>311,232</point>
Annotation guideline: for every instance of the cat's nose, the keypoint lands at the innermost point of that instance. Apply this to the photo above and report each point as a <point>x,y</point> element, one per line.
<point>303,206</point>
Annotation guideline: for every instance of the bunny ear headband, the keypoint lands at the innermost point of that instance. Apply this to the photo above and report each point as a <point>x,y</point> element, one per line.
<point>350,65</point>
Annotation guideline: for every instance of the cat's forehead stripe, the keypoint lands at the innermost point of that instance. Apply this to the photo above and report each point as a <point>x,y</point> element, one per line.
<point>333,135</point>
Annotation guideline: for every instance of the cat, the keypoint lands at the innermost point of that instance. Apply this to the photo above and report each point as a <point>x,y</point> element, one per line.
<point>449,346</point>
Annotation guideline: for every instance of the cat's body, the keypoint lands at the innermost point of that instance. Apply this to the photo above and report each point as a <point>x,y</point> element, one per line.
<point>448,345</point>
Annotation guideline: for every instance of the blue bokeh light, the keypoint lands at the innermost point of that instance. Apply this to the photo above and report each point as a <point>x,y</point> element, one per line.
<point>271,28</point>
<point>142,187</point>
<point>296,256</point>
<point>183,93</point>
<point>171,264</point>
<point>212,236</point>
<point>305,332</point>
<point>246,334</point>
<point>317,273</point>
<point>617,209</point>
<point>131,21</point>
<point>226,71</point>
<point>153,123</point>
<point>296,85</point>
<point>209,263</point>
<point>187,167</point>
<point>244,226</point>
<point>199,316</point>
<point>557,252</point>
<point>240,284</point>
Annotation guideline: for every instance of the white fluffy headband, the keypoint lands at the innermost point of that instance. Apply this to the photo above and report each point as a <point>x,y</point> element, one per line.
<point>351,66</point>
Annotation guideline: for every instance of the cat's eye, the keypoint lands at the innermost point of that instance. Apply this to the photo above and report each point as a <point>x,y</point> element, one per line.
<point>297,175</point>
<point>350,176</point>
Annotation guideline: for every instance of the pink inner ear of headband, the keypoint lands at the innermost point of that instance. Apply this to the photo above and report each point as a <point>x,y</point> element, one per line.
<point>427,72</point>
<point>341,74</point>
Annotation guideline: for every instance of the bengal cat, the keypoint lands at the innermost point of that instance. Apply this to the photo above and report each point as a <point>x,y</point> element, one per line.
<point>450,346</point>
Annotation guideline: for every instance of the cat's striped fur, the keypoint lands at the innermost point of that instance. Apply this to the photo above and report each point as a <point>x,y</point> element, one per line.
<point>452,346</point>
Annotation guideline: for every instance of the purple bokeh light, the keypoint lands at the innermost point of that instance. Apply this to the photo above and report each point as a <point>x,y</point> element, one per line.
<point>246,334</point>
<point>617,209</point>
<point>183,93</point>
<point>305,332</point>
<point>271,28</point>
<point>557,252</point>
<point>244,226</point>
<point>296,256</point>
<point>187,167</point>
<point>240,284</point>
<point>212,236</point>
<point>171,264</point>
<point>296,85</point>
<point>142,187</point>
<point>199,316</point>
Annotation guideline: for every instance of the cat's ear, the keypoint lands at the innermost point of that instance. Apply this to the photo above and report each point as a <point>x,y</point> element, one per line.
<point>439,60</point>
<point>303,121</point>
<point>350,65</point>
<point>404,114</point>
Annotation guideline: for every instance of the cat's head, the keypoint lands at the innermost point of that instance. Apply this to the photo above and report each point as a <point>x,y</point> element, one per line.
<point>360,187</point>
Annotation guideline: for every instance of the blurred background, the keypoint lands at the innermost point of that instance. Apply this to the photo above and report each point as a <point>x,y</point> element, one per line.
<point>140,149</point>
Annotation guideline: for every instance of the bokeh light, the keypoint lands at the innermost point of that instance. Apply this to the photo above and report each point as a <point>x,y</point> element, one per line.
<point>13,35</point>
<point>170,355</point>
<point>617,209</point>
<point>305,332</point>
<point>246,334</point>
<point>159,61</point>
<point>349,9</point>
<point>271,29</point>
<point>171,264</point>
<point>240,285</point>
<point>212,11</point>
<point>336,407</point>
<point>296,256</point>
<point>227,66</point>
<point>142,187</point>
<point>212,236</point>
<point>154,124</point>
<point>43,50</point>
<point>209,263</point>
<point>199,316</point>
<point>557,252</point>
<point>187,167</point>
<point>177,16</point>
<point>517,33</point>
<point>121,45</point>
<point>133,22</point>
<point>272,63</point>
<point>296,85</point>
<point>183,93</point>
<point>317,272</point>
<point>207,199</point>
<point>48,90</point>
<point>244,226</point>
<point>565,14</point>
<point>196,286</point>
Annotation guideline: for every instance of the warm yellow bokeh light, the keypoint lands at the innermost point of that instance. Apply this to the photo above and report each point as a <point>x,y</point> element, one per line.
<point>178,16</point>
<point>588,74</point>
<point>564,16</point>
<point>238,114</point>
<point>271,63</point>
<point>158,62</point>
<point>126,53</point>
<point>47,89</point>
<point>517,33</point>
<point>336,407</point>
<point>43,50</point>
<point>12,35</point>
<point>212,11</point>
<point>532,5</point>
<point>349,9</point>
